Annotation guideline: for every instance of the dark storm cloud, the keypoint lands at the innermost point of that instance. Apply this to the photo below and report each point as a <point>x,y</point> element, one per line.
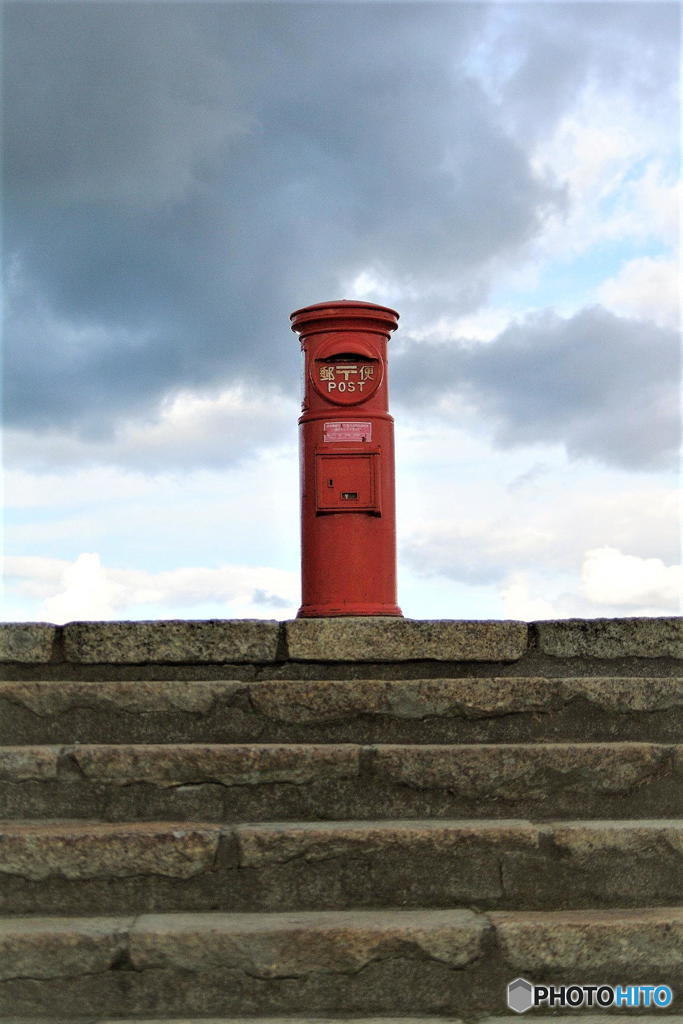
<point>177,178</point>
<point>601,385</point>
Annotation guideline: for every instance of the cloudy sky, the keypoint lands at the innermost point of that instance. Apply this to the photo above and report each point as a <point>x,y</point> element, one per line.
<point>178,177</point>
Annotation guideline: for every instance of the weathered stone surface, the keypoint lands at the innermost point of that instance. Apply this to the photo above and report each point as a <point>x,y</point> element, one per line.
<point>469,697</point>
<point>264,844</point>
<point>611,638</point>
<point>360,639</point>
<point>71,796</point>
<point>276,867</point>
<point>597,864</point>
<point>394,639</point>
<point>60,947</point>
<point>269,916</point>
<point>590,942</point>
<point>287,1020</point>
<point>365,1020</point>
<point>225,764</point>
<point>355,963</point>
<point>20,764</point>
<point>391,863</point>
<point>78,850</point>
<point>49,699</point>
<point>126,711</point>
<point>511,772</point>
<point>191,782</point>
<point>299,700</point>
<point>27,641</point>
<point>607,863</point>
<point>215,640</point>
<point>625,694</point>
<point>286,782</point>
<point>585,1019</point>
<point>297,945</point>
<point>585,842</point>
<point>466,709</point>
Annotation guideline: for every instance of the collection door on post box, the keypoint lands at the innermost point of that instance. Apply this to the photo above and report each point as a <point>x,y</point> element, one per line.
<point>348,519</point>
<point>347,481</point>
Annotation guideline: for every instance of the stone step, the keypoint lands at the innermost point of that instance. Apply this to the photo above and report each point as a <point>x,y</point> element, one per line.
<point>463,710</point>
<point>585,1019</point>
<point>280,1020</point>
<point>276,1020</point>
<point>76,868</point>
<point>265,782</point>
<point>401,962</point>
<point>647,644</point>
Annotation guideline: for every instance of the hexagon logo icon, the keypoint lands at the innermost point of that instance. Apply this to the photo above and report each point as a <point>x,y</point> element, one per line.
<point>520,995</point>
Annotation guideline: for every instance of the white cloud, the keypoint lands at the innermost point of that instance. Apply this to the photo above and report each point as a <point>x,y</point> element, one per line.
<point>40,577</point>
<point>540,524</point>
<point>610,577</point>
<point>647,288</point>
<point>475,551</point>
<point>522,600</point>
<point>660,200</point>
<point>484,325</point>
<point>243,515</point>
<point>589,149</point>
<point>610,583</point>
<point>188,430</point>
<point>620,187</point>
<point>86,589</point>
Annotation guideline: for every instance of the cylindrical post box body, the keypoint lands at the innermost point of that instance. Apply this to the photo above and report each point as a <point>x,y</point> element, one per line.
<point>348,506</point>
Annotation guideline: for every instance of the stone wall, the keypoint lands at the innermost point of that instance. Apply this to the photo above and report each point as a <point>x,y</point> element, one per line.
<point>339,648</point>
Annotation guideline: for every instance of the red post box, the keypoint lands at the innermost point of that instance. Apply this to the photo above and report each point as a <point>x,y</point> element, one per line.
<point>348,508</point>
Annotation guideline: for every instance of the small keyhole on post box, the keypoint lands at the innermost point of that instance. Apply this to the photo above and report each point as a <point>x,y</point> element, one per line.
<point>350,495</point>
<point>330,482</point>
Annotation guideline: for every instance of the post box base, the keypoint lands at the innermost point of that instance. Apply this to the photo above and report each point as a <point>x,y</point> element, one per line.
<point>322,611</point>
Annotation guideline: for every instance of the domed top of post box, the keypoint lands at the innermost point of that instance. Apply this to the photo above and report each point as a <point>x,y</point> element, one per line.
<point>344,315</point>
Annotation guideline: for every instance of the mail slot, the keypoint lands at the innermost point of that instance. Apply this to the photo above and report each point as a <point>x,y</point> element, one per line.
<point>348,518</point>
